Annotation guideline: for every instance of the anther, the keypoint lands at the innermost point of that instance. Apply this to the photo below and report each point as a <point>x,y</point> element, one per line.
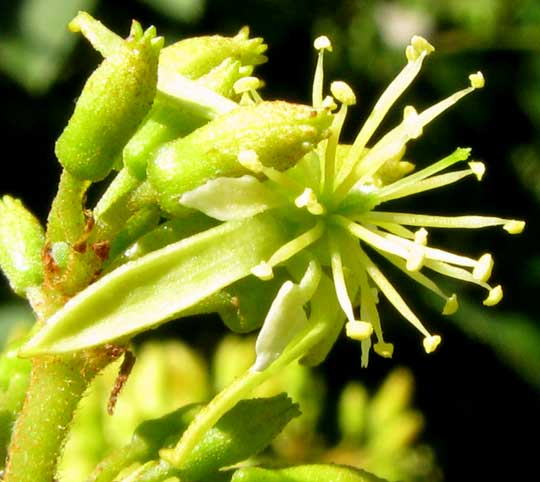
<point>483,268</point>
<point>322,43</point>
<point>358,330</point>
<point>451,305</point>
<point>514,227</point>
<point>250,160</point>
<point>343,92</point>
<point>263,271</point>
<point>478,169</point>
<point>411,120</point>
<point>495,295</point>
<point>431,343</point>
<point>477,80</point>
<point>384,349</point>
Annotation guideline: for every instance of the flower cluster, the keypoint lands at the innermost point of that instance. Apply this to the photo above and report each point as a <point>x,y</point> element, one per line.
<point>332,201</point>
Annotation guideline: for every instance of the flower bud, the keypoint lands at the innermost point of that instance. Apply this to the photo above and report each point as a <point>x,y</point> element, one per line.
<point>195,57</point>
<point>279,132</point>
<point>113,102</point>
<point>171,118</point>
<point>21,245</point>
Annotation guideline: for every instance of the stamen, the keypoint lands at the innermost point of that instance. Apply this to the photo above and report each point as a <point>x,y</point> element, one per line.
<point>358,330</point>
<point>514,226</point>
<point>250,160</point>
<point>416,52</point>
<point>458,155</point>
<point>339,279</point>
<point>431,343</point>
<point>495,295</point>
<point>342,92</point>
<point>386,350</point>
<point>451,305</point>
<point>391,293</point>
<point>478,169</point>
<point>321,44</point>
<point>308,199</point>
<point>288,250</point>
<point>247,87</point>
<point>482,271</point>
<point>450,222</point>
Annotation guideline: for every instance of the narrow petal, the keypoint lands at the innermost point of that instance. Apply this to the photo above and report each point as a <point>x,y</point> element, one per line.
<point>228,198</point>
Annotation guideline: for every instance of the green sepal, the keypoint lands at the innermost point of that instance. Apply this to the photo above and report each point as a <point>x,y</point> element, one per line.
<point>114,101</point>
<point>195,57</point>
<point>171,117</point>
<point>279,132</point>
<point>143,294</point>
<point>305,473</point>
<point>21,245</point>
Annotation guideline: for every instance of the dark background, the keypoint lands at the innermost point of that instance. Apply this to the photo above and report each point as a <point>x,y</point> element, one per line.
<point>480,391</point>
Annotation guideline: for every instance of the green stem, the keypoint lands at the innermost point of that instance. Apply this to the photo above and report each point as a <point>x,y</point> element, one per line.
<point>238,390</point>
<point>56,386</point>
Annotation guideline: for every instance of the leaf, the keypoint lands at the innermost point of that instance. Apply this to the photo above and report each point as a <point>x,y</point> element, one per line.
<point>34,49</point>
<point>155,288</point>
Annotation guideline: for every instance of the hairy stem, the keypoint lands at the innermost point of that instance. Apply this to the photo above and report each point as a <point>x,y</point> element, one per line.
<point>56,386</point>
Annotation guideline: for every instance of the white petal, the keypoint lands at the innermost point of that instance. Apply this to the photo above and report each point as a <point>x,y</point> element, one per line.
<point>228,198</point>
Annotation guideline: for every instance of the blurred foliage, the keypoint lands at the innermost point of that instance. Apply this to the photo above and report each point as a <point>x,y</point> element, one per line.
<point>462,389</point>
<point>378,432</point>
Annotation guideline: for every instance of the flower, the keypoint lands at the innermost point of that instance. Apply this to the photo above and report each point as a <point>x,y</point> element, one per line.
<point>333,200</point>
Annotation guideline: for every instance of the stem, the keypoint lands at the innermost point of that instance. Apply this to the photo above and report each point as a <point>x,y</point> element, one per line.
<point>56,386</point>
<point>239,389</point>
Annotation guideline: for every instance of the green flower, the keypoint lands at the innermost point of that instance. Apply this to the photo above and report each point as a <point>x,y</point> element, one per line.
<point>333,202</point>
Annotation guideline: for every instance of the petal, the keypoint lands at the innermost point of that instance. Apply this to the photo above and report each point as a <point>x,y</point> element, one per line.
<point>228,198</point>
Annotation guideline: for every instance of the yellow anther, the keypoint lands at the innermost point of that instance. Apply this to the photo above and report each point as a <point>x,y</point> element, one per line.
<point>263,271</point>
<point>483,268</point>
<point>343,92</point>
<point>514,227</point>
<point>329,103</point>
<point>431,343</point>
<point>420,237</point>
<point>477,80</point>
<point>322,43</point>
<point>478,169</point>
<point>451,305</point>
<point>250,160</point>
<point>412,123</point>
<point>384,349</point>
<point>419,46</point>
<point>308,200</point>
<point>495,295</point>
<point>358,330</point>
<point>246,84</point>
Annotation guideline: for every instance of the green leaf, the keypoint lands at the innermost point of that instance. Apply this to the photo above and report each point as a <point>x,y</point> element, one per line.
<point>34,50</point>
<point>144,293</point>
<point>305,473</point>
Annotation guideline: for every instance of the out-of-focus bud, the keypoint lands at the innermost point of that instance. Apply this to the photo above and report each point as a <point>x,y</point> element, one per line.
<point>352,410</point>
<point>280,133</point>
<point>114,101</point>
<point>21,244</point>
<point>304,473</point>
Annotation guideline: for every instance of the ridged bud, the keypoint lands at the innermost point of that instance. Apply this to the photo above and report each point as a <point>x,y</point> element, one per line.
<point>21,244</point>
<point>170,118</point>
<point>195,57</point>
<point>114,101</point>
<point>280,133</point>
